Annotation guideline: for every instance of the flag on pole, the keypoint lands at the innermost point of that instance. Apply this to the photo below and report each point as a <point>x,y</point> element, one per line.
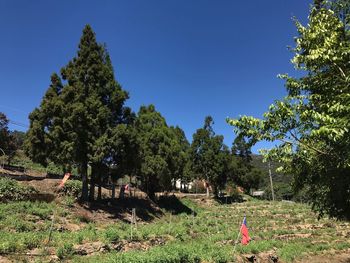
<point>244,232</point>
<point>64,180</point>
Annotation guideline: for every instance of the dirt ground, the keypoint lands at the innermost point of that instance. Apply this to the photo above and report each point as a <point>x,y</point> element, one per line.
<point>107,211</point>
<point>330,257</point>
<point>271,257</point>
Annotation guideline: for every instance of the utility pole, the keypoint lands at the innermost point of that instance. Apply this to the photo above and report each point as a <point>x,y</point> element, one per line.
<point>273,193</point>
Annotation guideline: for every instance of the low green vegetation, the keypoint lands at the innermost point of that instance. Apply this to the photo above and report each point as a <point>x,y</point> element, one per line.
<point>71,188</point>
<point>11,190</point>
<point>207,234</point>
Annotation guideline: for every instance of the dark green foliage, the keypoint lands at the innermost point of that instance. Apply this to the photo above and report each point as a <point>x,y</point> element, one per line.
<point>180,165</point>
<point>159,151</point>
<point>210,156</point>
<point>242,170</point>
<point>282,182</point>
<point>124,150</point>
<point>11,190</point>
<point>76,119</point>
<point>7,141</point>
<point>18,139</point>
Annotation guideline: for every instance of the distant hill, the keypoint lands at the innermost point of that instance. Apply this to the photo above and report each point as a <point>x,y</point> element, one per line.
<point>282,182</point>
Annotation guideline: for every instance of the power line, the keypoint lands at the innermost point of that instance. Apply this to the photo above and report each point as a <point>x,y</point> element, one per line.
<point>18,124</point>
<point>15,122</point>
<point>12,109</point>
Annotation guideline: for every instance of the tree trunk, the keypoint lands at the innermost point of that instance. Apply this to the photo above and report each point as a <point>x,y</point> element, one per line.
<point>99,193</point>
<point>152,195</point>
<point>216,191</point>
<point>92,183</point>
<point>207,186</point>
<point>84,179</point>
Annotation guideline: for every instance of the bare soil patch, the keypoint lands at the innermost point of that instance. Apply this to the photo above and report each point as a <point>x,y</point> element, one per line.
<point>329,257</point>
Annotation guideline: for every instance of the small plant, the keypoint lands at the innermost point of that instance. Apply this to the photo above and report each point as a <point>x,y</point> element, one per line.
<point>79,238</point>
<point>65,251</point>
<point>11,190</point>
<point>112,235</point>
<point>71,188</point>
<point>69,201</point>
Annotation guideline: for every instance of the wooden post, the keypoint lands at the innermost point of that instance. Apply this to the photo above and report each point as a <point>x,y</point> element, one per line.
<point>133,222</point>
<point>133,217</point>
<point>51,229</point>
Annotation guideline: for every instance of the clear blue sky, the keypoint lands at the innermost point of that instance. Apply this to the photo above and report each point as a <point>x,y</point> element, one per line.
<point>189,58</point>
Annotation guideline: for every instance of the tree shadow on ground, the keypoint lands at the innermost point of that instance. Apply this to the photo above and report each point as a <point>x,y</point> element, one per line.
<point>121,208</point>
<point>172,204</point>
<point>42,197</point>
<point>226,200</point>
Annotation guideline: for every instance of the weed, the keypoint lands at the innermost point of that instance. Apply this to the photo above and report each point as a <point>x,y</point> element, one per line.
<point>65,251</point>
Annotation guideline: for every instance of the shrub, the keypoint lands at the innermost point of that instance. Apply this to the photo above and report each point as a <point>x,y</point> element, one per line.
<point>65,251</point>
<point>69,201</point>
<point>11,190</point>
<point>112,234</point>
<point>71,188</point>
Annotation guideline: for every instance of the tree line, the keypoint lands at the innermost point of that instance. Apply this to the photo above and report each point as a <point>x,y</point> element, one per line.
<point>83,122</point>
<point>10,141</point>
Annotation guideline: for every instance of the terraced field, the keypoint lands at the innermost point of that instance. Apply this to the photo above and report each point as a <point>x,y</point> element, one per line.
<point>201,231</point>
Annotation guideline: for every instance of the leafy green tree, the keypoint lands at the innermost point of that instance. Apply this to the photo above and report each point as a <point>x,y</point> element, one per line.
<point>7,143</point>
<point>157,147</point>
<point>242,149</point>
<point>210,156</point>
<point>42,140</point>
<point>18,138</point>
<point>242,171</point>
<point>180,156</point>
<point>124,153</point>
<point>312,122</point>
<point>75,121</point>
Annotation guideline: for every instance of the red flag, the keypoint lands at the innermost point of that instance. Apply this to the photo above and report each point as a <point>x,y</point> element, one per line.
<point>65,178</point>
<point>244,232</point>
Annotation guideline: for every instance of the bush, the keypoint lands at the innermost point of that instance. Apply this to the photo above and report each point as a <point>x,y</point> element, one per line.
<point>65,251</point>
<point>11,190</point>
<point>69,201</point>
<point>71,188</point>
<point>112,235</point>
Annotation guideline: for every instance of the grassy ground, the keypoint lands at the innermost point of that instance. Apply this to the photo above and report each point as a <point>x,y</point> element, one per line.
<point>203,232</point>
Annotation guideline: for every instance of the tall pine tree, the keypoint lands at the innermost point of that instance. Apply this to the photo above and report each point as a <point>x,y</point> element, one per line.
<point>210,156</point>
<point>156,151</point>
<point>75,121</point>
